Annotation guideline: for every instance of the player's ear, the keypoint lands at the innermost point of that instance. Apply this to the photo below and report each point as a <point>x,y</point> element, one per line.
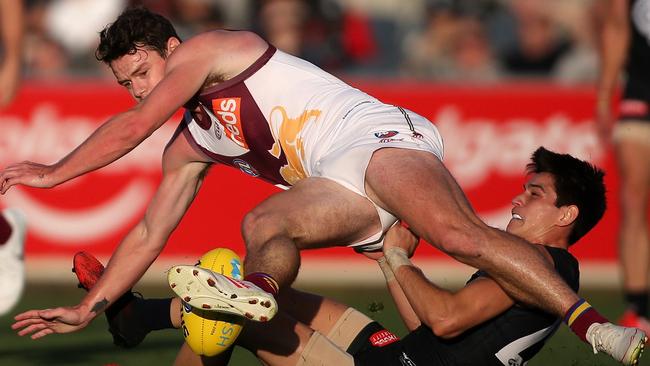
<point>569,215</point>
<point>172,43</point>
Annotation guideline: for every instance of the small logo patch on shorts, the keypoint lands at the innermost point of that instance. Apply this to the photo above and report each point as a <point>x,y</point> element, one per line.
<point>387,141</point>
<point>385,134</point>
<point>383,338</point>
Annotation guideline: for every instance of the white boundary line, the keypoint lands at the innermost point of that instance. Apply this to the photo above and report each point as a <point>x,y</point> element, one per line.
<point>330,271</point>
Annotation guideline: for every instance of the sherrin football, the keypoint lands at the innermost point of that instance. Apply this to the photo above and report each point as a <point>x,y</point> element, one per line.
<point>209,333</point>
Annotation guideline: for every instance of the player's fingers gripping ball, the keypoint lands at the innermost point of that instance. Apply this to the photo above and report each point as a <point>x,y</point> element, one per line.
<point>209,333</point>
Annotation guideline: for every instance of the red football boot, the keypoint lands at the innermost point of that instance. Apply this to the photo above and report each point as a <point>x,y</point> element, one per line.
<point>122,316</point>
<point>633,320</point>
<point>88,269</point>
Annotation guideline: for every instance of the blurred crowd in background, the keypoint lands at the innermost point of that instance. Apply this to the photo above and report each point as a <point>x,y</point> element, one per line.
<point>478,41</point>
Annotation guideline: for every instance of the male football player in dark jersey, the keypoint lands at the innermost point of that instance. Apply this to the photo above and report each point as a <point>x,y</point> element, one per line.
<point>480,324</point>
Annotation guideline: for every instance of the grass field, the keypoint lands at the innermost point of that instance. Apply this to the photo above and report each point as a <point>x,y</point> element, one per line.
<point>93,346</point>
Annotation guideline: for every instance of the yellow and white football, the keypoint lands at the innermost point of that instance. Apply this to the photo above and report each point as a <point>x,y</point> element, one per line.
<point>209,333</point>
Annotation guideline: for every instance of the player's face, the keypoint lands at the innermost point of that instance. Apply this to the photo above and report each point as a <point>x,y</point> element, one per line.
<point>534,215</point>
<point>139,72</point>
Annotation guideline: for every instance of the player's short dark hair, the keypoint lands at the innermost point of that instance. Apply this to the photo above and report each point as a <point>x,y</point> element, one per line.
<point>136,27</point>
<point>577,182</point>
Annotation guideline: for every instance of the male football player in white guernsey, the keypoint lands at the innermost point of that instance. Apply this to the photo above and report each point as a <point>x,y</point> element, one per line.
<point>355,166</point>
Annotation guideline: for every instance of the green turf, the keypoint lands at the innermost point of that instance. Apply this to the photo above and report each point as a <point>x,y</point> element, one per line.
<point>93,346</point>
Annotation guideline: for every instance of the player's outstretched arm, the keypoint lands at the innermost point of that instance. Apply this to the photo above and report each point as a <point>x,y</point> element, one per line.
<point>182,177</point>
<point>29,174</point>
<point>112,140</point>
<point>447,313</point>
<point>40,323</point>
<point>186,70</point>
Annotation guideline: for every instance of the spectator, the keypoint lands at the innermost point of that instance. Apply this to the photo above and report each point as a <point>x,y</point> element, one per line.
<point>44,56</point>
<point>281,22</point>
<point>540,44</point>
<point>454,46</point>
<point>427,53</point>
<point>462,40</point>
<point>311,30</point>
<point>580,19</point>
<point>195,16</point>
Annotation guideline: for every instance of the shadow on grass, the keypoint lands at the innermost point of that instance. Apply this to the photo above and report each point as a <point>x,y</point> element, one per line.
<point>95,352</point>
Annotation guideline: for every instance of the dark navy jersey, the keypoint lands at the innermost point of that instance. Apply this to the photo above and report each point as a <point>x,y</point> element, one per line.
<point>511,338</point>
<point>635,104</point>
<point>638,57</point>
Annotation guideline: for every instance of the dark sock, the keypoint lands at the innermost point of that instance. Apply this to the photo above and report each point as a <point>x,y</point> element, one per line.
<point>637,302</point>
<point>263,281</point>
<point>131,318</point>
<point>124,303</point>
<point>151,314</point>
<point>580,317</point>
<point>155,313</point>
<point>5,230</point>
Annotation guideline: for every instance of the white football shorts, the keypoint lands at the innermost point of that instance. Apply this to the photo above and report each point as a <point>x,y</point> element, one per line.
<point>372,127</point>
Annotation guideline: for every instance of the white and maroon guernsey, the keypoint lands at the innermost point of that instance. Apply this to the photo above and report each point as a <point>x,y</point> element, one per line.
<point>275,119</point>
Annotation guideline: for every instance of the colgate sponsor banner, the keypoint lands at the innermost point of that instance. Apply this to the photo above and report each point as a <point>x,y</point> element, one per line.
<point>489,133</point>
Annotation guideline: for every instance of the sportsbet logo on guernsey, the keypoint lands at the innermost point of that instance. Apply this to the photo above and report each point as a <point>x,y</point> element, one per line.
<point>227,111</point>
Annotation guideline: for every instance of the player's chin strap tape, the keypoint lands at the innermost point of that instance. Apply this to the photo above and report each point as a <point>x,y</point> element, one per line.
<point>348,327</point>
<point>321,351</point>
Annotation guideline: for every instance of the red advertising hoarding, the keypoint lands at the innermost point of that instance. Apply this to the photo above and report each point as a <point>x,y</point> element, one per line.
<point>489,133</point>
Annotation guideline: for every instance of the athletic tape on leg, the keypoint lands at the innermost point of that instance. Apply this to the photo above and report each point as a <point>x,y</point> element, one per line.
<point>321,351</point>
<point>348,327</point>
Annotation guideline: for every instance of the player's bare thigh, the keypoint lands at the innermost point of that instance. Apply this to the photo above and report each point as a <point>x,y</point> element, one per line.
<point>417,188</point>
<point>314,213</point>
<point>632,143</point>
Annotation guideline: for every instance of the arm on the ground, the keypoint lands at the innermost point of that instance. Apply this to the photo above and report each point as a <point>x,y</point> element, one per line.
<point>185,73</point>
<point>182,178</point>
<point>614,43</point>
<point>447,313</point>
<point>11,35</point>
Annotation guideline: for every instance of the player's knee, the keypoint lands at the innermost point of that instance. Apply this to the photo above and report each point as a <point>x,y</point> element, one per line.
<point>254,228</point>
<point>260,227</point>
